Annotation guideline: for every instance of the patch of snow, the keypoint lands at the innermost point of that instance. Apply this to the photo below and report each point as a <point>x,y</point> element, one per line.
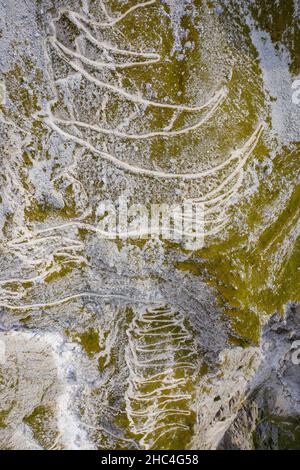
<point>278,83</point>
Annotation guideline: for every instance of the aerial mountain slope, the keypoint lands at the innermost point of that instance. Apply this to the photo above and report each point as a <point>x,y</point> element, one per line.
<point>136,339</point>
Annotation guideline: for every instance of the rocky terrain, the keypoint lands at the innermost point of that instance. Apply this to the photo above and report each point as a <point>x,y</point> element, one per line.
<point>124,339</point>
